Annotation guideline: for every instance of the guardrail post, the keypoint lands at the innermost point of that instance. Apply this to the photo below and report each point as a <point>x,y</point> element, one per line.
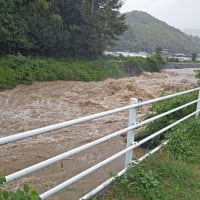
<point>130,134</point>
<point>198,104</point>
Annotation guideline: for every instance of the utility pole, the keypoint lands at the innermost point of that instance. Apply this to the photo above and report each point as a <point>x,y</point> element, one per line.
<point>92,7</point>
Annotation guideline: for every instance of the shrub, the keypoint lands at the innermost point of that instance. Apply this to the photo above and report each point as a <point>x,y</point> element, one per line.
<point>7,78</point>
<point>164,106</point>
<point>25,70</point>
<point>197,74</point>
<point>137,180</point>
<point>150,64</point>
<point>27,193</point>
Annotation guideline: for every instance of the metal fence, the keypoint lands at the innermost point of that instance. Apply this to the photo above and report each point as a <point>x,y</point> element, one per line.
<point>128,151</point>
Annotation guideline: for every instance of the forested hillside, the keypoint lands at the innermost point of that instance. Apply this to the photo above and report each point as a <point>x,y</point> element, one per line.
<point>59,27</point>
<point>146,33</point>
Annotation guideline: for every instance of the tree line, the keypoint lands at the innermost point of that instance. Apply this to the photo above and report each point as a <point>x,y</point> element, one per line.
<point>59,27</point>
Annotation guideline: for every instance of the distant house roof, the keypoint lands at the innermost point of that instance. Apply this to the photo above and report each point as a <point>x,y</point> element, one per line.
<point>179,55</point>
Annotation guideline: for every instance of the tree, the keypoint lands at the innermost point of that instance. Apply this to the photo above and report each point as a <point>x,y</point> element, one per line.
<point>13,27</point>
<point>158,50</point>
<point>194,56</point>
<point>37,5</point>
<point>59,27</point>
<point>93,24</point>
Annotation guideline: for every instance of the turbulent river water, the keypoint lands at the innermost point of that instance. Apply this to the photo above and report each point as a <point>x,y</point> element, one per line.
<point>40,104</point>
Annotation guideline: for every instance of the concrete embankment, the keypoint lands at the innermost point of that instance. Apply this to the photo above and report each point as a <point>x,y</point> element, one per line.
<point>181,65</point>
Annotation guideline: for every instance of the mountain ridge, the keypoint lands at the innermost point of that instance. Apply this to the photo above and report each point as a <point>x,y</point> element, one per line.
<point>146,33</point>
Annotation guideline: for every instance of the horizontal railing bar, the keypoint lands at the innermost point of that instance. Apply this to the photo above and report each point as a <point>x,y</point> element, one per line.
<point>102,186</point>
<point>137,144</point>
<point>35,132</point>
<point>167,97</point>
<point>150,153</point>
<point>166,113</point>
<point>97,166</point>
<point>77,177</point>
<point>62,156</point>
<point>112,179</point>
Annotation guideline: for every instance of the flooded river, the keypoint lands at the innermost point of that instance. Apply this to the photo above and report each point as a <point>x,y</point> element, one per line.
<point>28,107</point>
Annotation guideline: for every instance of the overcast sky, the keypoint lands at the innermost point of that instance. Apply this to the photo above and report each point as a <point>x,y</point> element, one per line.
<point>181,14</point>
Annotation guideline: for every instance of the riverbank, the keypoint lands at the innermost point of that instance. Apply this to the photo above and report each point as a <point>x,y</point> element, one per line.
<point>18,69</point>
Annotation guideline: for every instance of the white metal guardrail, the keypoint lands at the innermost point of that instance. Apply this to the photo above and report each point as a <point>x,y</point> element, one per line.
<point>128,151</point>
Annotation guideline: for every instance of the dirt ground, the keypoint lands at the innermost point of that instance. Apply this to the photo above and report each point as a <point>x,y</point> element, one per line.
<point>28,107</point>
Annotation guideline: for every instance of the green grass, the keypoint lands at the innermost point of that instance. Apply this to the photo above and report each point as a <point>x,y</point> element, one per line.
<point>158,178</point>
<point>18,69</point>
<point>173,173</point>
<point>152,63</point>
<point>25,70</point>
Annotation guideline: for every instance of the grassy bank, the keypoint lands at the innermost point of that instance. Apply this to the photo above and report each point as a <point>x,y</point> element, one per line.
<point>24,70</point>
<point>172,173</point>
<point>19,69</point>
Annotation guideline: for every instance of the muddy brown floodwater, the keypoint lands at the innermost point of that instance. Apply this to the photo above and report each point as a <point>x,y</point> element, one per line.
<point>28,107</point>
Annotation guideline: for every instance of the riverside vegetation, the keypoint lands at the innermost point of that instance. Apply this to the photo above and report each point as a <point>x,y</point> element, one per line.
<point>172,173</point>
<point>19,69</point>
<point>27,193</point>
